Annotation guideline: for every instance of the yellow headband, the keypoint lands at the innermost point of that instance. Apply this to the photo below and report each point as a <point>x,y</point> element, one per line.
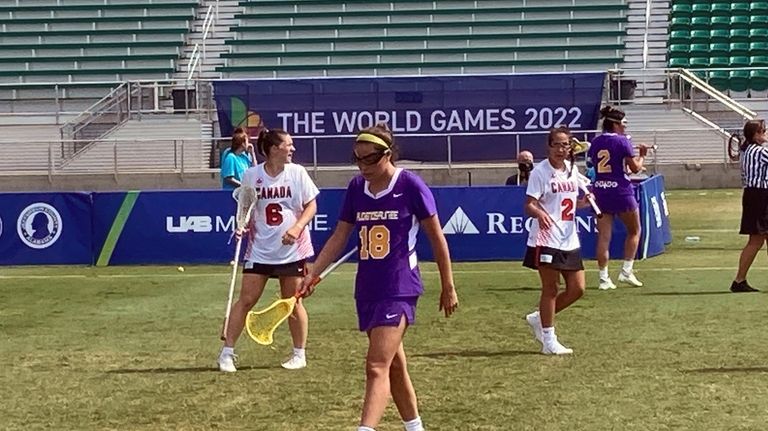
<point>373,139</point>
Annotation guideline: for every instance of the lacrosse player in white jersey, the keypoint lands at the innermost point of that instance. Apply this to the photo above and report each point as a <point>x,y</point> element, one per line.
<point>553,246</point>
<point>278,241</point>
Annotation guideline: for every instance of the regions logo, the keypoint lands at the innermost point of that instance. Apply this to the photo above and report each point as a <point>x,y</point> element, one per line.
<point>39,225</point>
<point>459,223</point>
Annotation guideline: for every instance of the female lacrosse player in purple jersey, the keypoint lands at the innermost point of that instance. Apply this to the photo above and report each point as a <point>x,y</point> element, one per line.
<point>553,246</point>
<point>278,241</point>
<point>612,153</point>
<point>386,205</point>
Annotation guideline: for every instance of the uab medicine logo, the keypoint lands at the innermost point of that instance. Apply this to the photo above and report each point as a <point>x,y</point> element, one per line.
<point>460,223</point>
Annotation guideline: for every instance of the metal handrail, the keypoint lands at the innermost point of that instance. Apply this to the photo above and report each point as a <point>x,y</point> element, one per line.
<point>716,94</point>
<point>194,59</point>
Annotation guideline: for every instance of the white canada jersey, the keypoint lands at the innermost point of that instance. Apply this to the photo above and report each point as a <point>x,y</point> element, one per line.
<point>281,202</point>
<point>557,193</point>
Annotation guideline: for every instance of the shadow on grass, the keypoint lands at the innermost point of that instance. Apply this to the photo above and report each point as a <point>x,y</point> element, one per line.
<point>475,354</point>
<point>725,370</point>
<point>179,370</point>
<point>717,292</point>
<point>513,289</point>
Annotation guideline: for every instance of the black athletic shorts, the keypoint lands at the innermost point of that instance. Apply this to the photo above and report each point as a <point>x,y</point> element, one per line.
<point>556,259</point>
<point>295,269</point>
<point>754,212</point>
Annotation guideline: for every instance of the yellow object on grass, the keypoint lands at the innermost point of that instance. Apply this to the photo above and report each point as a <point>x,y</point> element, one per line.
<point>262,324</point>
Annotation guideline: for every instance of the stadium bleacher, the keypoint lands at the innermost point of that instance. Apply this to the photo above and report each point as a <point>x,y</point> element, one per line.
<point>707,34</point>
<point>316,37</point>
<point>45,41</point>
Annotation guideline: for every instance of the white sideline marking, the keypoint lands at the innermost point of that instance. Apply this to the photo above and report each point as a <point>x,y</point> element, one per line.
<point>471,271</point>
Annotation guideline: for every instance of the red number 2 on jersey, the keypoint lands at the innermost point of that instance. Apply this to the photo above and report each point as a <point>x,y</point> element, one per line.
<point>569,208</point>
<point>273,214</point>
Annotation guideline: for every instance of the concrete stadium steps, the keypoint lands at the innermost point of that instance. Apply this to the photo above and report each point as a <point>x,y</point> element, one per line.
<point>157,142</point>
<point>658,34</point>
<point>680,137</point>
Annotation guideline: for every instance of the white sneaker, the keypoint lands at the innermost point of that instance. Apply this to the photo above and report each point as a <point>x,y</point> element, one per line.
<point>295,363</point>
<point>534,321</point>
<point>227,362</point>
<point>555,348</point>
<point>629,279</point>
<point>606,284</point>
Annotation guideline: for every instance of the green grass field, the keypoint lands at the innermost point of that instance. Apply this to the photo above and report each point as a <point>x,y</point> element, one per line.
<point>134,348</point>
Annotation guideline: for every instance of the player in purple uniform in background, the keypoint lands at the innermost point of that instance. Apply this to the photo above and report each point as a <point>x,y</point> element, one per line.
<point>612,153</point>
<point>386,205</point>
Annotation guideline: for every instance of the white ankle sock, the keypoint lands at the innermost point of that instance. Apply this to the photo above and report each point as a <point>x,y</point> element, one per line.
<point>362,428</point>
<point>301,353</point>
<point>414,424</point>
<point>627,267</point>
<point>548,334</point>
<point>227,350</point>
<point>604,273</point>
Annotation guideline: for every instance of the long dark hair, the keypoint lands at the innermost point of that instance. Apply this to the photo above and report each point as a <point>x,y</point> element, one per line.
<point>738,143</point>
<point>269,138</point>
<point>611,116</point>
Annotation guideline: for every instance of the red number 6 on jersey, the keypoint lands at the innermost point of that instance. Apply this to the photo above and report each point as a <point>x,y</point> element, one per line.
<point>274,214</point>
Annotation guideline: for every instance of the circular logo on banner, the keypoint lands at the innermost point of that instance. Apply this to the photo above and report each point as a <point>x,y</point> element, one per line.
<point>39,225</point>
<point>1,227</point>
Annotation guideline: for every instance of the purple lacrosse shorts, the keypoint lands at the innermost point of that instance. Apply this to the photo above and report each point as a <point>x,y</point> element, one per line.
<point>615,204</point>
<point>385,312</point>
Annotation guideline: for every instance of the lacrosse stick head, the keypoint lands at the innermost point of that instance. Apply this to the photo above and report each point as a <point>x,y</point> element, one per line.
<point>246,197</point>
<point>260,325</point>
<point>579,147</point>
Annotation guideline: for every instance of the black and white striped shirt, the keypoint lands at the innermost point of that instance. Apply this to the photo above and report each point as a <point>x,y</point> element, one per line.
<point>754,167</point>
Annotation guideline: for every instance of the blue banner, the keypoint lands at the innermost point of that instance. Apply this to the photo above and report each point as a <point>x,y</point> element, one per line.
<point>483,105</point>
<point>45,229</point>
<point>179,227</point>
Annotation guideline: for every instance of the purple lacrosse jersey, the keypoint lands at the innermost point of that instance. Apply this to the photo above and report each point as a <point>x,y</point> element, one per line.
<point>387,225</point>
<point>607,153</point>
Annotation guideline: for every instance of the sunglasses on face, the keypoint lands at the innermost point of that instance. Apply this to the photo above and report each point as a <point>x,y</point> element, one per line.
<point>566,145</point>
<point>370,159</point>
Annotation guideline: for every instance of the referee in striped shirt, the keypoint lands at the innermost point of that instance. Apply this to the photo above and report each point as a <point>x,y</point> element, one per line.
<point>754,201</point>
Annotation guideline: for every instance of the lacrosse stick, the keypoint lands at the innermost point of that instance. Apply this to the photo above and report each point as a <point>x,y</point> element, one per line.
<point>261,324</point>
<point>583,181</point>
<point>246,198</point>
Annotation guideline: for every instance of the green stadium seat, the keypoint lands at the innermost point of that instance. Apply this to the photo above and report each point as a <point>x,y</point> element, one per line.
<point>680,36</point>
<point>720,22</point>
<point>739,61</point>
<point>740,21</point>
<point>739,80</point>
<point>719,79</point>
<point>680,23</point>
<point>758,8</point>
<point>740,8</point>
<point>681,10</point>
<point>700,36</point>
<point>721,9</point>
<point>758,80</point>
<point>679,50</point>
<point>698,62</point>
<point>701,23</point>
<point>758,21</point>
<point>679,62</point>
<point>723,62</point>
<point>720,36</point>
<point>758,34</point>
<point>719,49</point>
<point>739,49</point>
<point>758,48</point>
<point>739,35</point>
<point>758,61</point>
<point>699,50</point>
<point>700,10</point>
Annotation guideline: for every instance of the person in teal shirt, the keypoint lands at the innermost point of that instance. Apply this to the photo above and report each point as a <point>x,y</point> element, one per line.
<point>236,160</point>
